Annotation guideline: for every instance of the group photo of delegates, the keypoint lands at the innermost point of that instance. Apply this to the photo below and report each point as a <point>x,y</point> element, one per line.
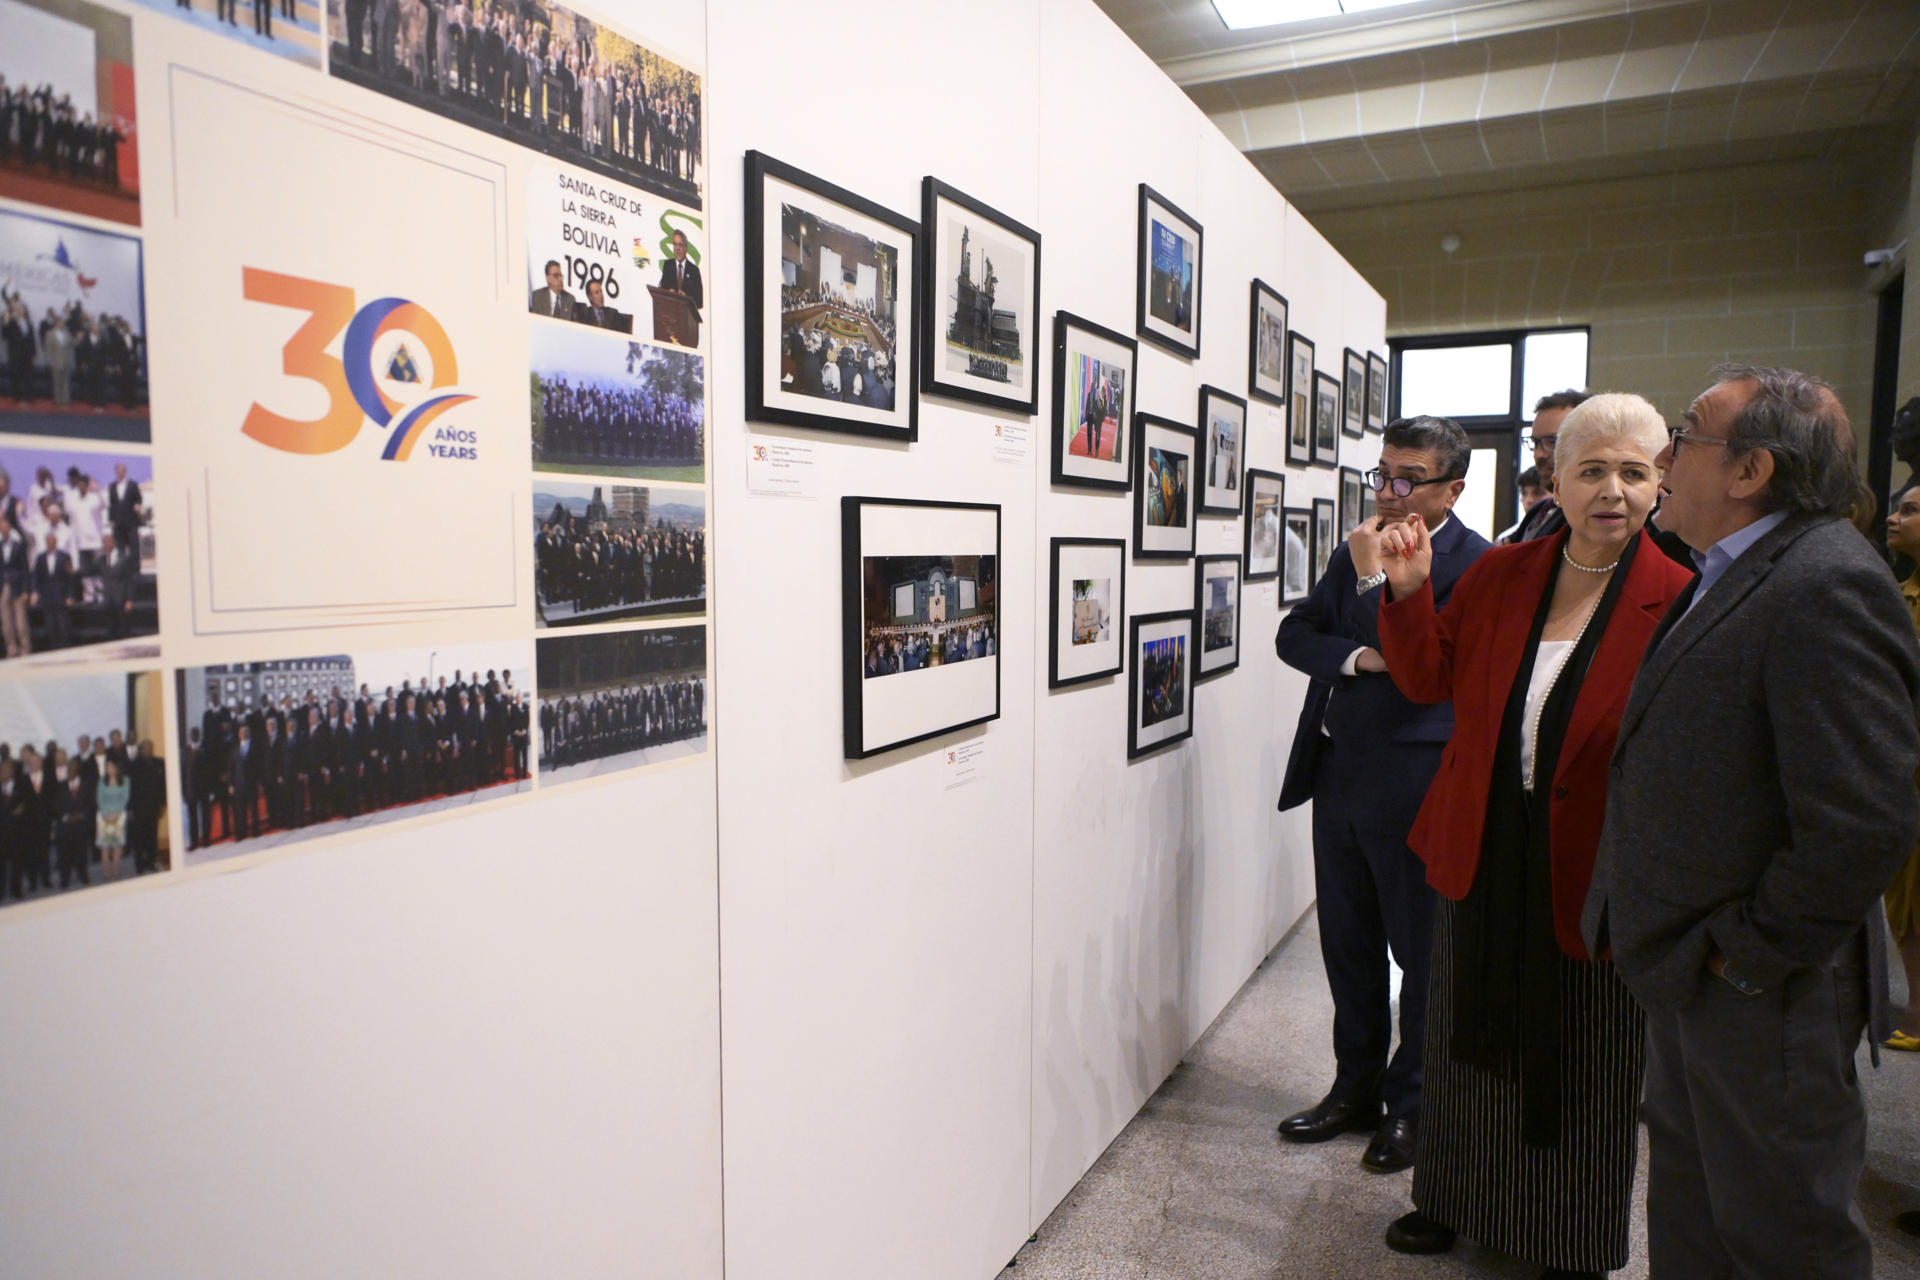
<point>41,130</point>
<point>625,425</point>
<point>537,74</point>
<point>641,553</point>
<point>891,650</point>
<point>620,699</point>
<point>76,553</point>
<point>68,120</point>
<point>928,611</point>
<point>81,805</point>
<point>71,358</point>
<point>282,748</point>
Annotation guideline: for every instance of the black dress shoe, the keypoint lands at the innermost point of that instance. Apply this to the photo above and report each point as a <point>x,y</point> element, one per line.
<point>1392,1147</point>
<point>1331,1118</point>
<point>1417,1233</point>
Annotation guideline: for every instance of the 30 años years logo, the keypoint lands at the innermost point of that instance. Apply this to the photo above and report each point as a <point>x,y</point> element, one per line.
<point>375,361</point>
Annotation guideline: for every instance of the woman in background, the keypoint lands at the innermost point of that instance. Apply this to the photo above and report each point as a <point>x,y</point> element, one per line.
<point>1534,1049</point>
<point>110,824</point>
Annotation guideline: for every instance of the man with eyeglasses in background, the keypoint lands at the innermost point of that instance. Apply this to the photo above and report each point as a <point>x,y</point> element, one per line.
<point>1545,518</point>
<point>1365,756</point>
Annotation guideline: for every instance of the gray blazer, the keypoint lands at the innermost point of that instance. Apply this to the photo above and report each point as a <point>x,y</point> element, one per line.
<point>1762,788</point>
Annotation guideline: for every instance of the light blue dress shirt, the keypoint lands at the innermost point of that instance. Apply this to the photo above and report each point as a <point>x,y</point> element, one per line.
<point>1721,555</point>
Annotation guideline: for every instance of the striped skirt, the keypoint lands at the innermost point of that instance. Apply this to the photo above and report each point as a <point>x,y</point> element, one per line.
<point>1568,1206</point>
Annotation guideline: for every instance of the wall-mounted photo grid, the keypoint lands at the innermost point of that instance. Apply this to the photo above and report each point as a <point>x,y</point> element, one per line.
<point>356,625</point>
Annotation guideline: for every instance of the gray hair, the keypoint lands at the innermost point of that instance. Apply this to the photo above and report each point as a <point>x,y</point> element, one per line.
<point>1613,415</point>
<point>1447,439</point>
<point>1798,419</point>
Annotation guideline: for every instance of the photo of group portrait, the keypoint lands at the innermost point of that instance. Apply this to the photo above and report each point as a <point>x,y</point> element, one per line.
<point>273,753</point>
<point>602,553</point>
<point>603,405</point>
<point>535,73</point>
<point>73,347</point>
<point>837,311</point>
<point>77,558</point>
<point>83,793</point>
<point>928,611</point>
<point>68,137</point>
<point>618,700</point>
<point>285,28</point>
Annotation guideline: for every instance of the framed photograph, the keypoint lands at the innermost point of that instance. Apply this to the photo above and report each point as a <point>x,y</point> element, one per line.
<point>1088,588</point>
<point>1260,539</point>
<point>1353,507</point>
<point>611,552</point>
<point>1167,310</point>
<point>830,297</point>
<point>979,302</point>
<point>1160,695</point>
<point>1163,517</point>
<point>1369,501</point>
<point>1092,404</point>
<point>1297,554</point>
<point>605,405</point>
<point>1223,424</point>
<point>1326,420</point>
<point>1354,398</point>
<point>1324,538</point>
<point>1216,603</point>
<point>1376,392</point>
<point>920,610</point>
<point>619,700</point>
<point>1299,400</point>
<point>1267,346</point>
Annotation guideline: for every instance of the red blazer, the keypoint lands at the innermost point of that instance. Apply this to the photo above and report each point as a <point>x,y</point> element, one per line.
<point>1471,653</point>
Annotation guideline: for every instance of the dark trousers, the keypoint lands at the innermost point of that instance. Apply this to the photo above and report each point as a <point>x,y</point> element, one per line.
<point>1757,1133</point>
<point>1373,896</point>
<point>143,839</point>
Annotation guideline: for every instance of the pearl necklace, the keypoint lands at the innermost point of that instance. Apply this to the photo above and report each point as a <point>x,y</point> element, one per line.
<point>1533,732</point>
<point>1567,555</point>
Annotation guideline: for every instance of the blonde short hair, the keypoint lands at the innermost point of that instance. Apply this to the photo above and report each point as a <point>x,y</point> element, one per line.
<point>1612,416</point>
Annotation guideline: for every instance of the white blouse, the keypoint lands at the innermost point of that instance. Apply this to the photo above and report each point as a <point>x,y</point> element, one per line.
<point>1547,663</point>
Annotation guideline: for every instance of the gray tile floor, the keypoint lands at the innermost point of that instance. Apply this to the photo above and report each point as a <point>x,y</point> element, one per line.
<point>1199,1187</point>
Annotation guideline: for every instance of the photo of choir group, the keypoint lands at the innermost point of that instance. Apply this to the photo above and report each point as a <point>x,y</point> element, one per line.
<point>620,699</point>
<point>67,132</point>
<point>607,406</point>
<point>534,73</point>
<point>607,552</point>
<point>285,750</point>
<point>76,551</point>
<point>837,311</point>
<point>83,795</point>
<point>928,611</point>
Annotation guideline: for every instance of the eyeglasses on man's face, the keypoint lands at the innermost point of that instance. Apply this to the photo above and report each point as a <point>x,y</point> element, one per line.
<point>1677,436</point>
<point>1531,441</point>
<point>1401,486</point>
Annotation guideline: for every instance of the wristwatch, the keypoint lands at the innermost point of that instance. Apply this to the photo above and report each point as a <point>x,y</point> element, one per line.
<point>1369,582</point>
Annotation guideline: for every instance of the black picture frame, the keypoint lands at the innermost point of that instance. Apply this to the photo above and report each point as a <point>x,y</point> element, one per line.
<point>1353,395</point>
<point>1324,539</point>
<point>1166,331</point>
<point>1217,405</point>
<point>935,378</point>
<point>1266,302</point>
<point>1376,392</point>
<point>1353,507</point>
<point>1299,399</point>
<point>1296,565</point>
<point>1076,338</point>
<point>1165,625</point>
<point>1063,548</point>
<point>911,725</point>
<point>1263,522</point>
<point>1201,612</point>
<point>1154,434</point>
<point>770,399</point>
<point>1326,420</point>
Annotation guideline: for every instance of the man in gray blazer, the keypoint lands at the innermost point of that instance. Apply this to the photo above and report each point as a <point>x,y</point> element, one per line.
<point>554,300</point>
<point>1762,794</point>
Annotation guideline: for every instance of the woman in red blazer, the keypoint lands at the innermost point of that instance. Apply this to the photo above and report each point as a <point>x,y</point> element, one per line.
<point>1534,1049</point>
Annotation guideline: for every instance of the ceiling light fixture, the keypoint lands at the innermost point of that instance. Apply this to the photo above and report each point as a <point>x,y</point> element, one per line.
<point>1242,15</point>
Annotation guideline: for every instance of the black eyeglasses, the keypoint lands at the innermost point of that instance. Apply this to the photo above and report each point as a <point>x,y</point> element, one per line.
<point>1677,436</point>
<point>1402,487</point>
<point>1531,441</point>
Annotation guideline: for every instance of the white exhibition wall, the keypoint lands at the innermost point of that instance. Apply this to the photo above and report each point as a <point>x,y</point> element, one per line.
<point>924,999</point>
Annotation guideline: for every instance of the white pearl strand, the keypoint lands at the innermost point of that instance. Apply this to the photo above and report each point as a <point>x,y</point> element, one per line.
<point>1533,732</point>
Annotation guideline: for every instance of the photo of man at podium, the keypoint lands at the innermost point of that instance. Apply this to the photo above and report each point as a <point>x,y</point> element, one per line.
<point>678,297</point>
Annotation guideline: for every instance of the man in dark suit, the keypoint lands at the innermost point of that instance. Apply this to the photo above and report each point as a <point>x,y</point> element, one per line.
<point>53,583</point>
<point>119,576</point>
<point>193,789</point>
<point>1762,797</point>
<point>1365,755</point>
<point>680,275</point>
<point>243,782</point>
<point>554,300</point>
<point>596,312</point>
<point>123,508</point>
<point>146,801</point>
<point>1544,518</point>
